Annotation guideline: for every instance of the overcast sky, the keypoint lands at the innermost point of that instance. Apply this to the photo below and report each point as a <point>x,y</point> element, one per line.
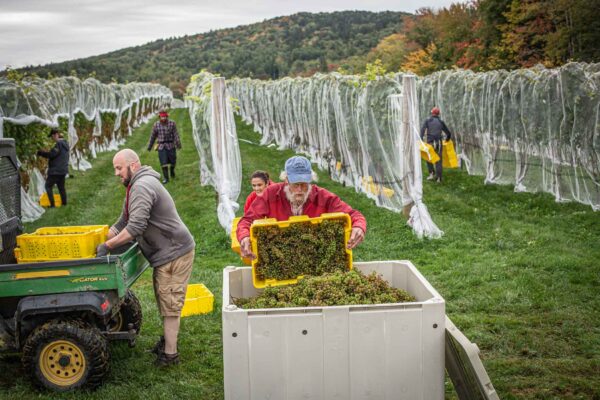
<point>34,32</point>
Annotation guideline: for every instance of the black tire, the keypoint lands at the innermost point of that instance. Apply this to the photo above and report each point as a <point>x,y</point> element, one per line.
<point>130,312</point>
<point>63,355</point>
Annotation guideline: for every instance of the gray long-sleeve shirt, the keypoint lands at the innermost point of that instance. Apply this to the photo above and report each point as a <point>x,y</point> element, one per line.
<point>153,221</point>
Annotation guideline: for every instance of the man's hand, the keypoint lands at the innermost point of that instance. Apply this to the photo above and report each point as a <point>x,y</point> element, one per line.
<point>101,250</point>
<point>246,249</point>
<point>356,237</point>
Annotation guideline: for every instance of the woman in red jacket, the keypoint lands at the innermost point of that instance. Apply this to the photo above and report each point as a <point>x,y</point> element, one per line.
<point>259,181</point>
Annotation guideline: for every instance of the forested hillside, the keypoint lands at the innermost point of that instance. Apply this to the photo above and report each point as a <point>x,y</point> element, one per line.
<point>300,44</point>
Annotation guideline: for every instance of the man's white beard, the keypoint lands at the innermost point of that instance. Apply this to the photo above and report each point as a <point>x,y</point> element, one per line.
<point>296,205</point>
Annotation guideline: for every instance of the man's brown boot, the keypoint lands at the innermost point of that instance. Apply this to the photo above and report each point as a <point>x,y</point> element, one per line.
<point>166,360</point>
<point>159,347</point>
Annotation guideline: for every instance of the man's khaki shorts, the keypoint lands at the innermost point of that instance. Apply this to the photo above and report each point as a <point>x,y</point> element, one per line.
<point>170,284</point>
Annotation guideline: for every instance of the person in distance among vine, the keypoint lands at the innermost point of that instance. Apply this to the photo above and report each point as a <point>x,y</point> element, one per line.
<point>58,166</point>
<point>165,133</point>
<point>434,131</point>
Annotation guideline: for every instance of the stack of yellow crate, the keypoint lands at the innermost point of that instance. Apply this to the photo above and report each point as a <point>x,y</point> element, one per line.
<point>60,243</point>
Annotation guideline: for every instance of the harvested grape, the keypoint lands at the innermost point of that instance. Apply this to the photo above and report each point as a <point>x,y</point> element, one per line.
<point>301,249</point>
<point>330,289</point>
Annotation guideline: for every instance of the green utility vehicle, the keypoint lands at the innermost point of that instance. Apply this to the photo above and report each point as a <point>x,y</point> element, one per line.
<point>60,315</point>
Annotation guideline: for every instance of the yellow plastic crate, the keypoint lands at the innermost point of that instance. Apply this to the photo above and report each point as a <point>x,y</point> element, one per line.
<point>376,189</point>
<point>428,153</point>
<point>258,224</point>
<point>449,159</point>
<point>235,245</point>
<point>45,201</point>
<point>60,243</point>
<point>198,300</point>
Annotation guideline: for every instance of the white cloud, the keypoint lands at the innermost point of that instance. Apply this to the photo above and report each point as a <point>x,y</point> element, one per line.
<point>24,19</point>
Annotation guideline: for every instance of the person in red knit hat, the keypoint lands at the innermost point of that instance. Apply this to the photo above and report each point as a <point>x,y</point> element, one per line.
<point>165,133</point>
<point>434,131</point>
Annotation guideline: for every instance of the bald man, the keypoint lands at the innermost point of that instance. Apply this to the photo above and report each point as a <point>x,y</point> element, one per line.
<point>149,216</point>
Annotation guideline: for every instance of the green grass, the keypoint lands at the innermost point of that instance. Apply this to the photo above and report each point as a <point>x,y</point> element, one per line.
<point>520,275</point>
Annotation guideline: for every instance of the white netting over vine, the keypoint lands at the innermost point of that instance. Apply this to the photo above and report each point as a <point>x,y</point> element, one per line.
<point>537,129</point>
<point>365,133</point>
<point>45,101</point>
<point>215,136</point>
<point>94,117</point>
<point>177,103</point>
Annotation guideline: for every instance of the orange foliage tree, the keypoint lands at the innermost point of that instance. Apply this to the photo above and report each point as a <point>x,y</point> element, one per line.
<point>421,61</point>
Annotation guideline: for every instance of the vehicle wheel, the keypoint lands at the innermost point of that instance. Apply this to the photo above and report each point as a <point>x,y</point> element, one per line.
<point>129,313</point>
<point>66,354</point>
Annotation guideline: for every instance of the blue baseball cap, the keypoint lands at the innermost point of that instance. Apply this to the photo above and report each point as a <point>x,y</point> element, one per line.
<point>298,169</point>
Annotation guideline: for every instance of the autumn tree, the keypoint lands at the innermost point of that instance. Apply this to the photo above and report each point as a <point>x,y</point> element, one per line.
<point>421,61</point>
<point>391,50</point>
<point>576,33</point>
<point>525,34</point>
<point>420,28</point>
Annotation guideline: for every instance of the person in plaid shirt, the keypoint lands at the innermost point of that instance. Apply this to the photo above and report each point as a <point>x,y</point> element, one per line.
<point>165,133</point>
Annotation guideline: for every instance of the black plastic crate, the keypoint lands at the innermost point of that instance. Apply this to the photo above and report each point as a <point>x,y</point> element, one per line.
<point>10,182</point>
<point>10,201</point>
<point>8,240</point>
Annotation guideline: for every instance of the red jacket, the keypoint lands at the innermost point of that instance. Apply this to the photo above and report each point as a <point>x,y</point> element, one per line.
<point>249,200</point>
<point>251,197</point>
<point>274,204</point>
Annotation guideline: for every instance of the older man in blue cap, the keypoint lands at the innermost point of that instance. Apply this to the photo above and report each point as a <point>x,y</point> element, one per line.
<point>297,195</point>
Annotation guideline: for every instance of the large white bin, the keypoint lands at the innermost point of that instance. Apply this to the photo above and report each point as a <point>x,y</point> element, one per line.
<point>385,351</point>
